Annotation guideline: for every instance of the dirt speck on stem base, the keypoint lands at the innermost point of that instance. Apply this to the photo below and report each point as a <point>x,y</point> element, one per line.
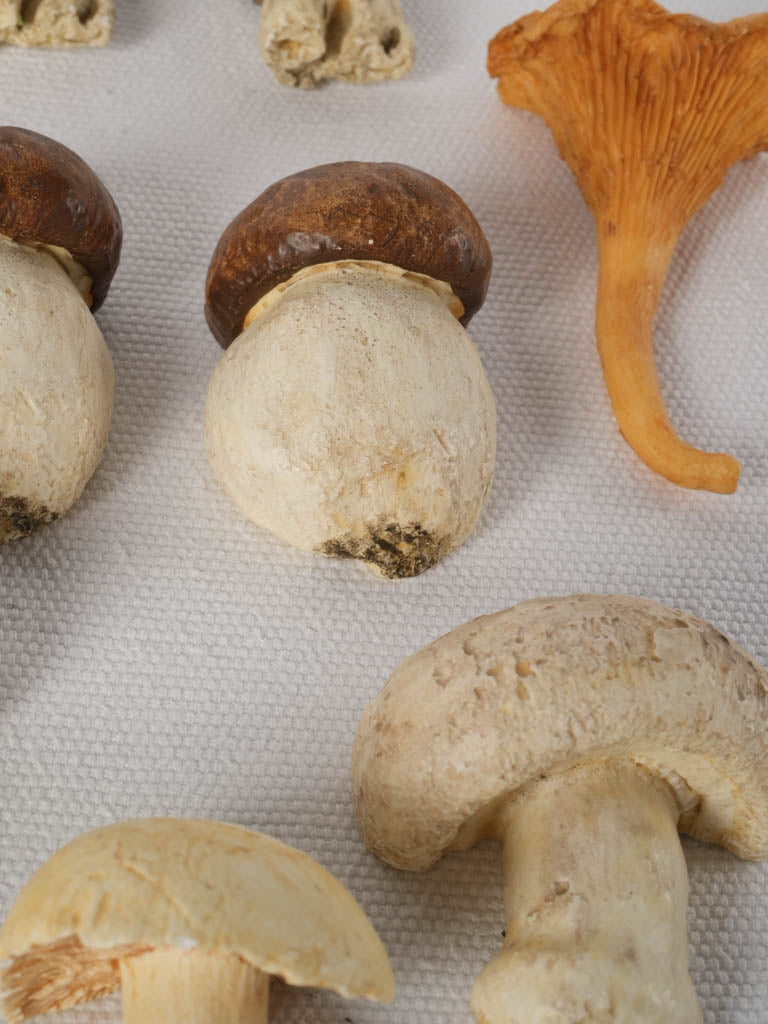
<point>20,517</point>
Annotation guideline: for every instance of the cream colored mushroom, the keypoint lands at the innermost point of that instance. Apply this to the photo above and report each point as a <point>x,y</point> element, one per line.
<point>60,238</point>
<point>189,918</point>
<point>582,732</point>
<point>56,22</point>
<point>352,415</point>
<point>305,42</point>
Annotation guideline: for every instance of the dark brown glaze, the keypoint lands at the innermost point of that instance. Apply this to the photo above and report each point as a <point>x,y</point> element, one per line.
<point>49,195</point>
<point>363,211</point>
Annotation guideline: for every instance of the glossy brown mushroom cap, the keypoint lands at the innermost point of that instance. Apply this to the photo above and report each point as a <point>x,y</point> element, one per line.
<point>50,196</point>
<point>354,211</point>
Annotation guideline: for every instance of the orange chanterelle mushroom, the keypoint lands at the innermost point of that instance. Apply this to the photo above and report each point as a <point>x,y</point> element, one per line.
<point>649,109</point>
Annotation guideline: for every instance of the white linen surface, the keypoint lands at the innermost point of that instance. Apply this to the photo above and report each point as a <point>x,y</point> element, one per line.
<point>160,656</point>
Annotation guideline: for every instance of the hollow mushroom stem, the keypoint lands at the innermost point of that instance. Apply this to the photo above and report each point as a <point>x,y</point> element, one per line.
<point>629,287</point>
<point>172,986</point>
<point>595,893</point>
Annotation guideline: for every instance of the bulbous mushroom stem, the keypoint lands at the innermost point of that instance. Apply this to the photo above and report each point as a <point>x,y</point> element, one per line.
<point>175,986</point>
<point>353,417</point>
<point>595,893</point>
<point>629,287</point>
<point>56,387</point>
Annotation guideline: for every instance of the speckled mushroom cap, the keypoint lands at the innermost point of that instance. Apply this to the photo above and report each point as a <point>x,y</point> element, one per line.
<point>50,196</point>
<point>551,683</point>
<point>345,211</point>
<point>136,886</point>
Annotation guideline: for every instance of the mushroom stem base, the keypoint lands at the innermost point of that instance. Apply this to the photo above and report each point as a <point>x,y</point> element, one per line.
<point>632,272</point>
<point>595,893</point>
<point>172,986</point>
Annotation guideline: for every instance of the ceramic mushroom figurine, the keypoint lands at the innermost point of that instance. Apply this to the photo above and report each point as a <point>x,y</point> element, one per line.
<point>649,109</point>
<point>351,414</point>
<point>56,22</point>
<point>305,42</point>
<point>60,236</point>
<point>189,919</point>
<point>582,732</point>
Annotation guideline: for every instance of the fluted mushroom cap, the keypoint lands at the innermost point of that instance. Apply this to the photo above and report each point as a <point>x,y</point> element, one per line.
<point>551,683</point>
<point>137,886</point>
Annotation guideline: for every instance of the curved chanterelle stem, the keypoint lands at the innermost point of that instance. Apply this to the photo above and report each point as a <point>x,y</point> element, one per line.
<point>650,110</point>
<point>582,732</point>
<point>189,919</point>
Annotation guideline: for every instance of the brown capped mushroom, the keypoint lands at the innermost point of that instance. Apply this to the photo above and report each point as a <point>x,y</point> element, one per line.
<point>352,415</point>
<point>582,732</point>
<point>649,109</point>
<point>56,22</point>
<point>305,42</point>
<point>189,918</point>
<point>60,237</point>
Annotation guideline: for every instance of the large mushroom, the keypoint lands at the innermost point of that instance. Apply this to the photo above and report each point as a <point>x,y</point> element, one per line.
<point>650,110</point>
<point>60,236</point>
<point>582,732</point>
<point>352,415</point>
<point>189,918</point>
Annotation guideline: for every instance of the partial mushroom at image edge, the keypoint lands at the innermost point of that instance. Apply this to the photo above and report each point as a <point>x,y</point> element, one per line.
<point>352,415</point>
<point>582,732</point>
<point>189,918</point>
<point>60,241</point>
<point>56,23</point>
<point>641,105</point>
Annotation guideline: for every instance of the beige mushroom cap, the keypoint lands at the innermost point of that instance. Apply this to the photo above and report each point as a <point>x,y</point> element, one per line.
<point>549,684</point>
<point>137,886</point>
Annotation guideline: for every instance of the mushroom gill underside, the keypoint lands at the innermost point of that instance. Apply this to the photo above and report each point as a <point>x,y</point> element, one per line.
<point>649,110</point>
<point>60,975</point>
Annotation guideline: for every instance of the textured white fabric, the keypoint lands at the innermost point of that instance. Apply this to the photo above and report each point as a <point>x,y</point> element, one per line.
<point>158,655</point>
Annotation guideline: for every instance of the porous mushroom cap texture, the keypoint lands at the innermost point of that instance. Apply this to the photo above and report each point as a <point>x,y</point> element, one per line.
<point>384,212</point>
<point>137,886</point>
<point>56,22</point>
<point>50,196</point>
<point>549,684</point>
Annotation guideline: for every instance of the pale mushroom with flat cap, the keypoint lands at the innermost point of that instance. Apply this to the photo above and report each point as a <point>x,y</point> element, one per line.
<point>189,918</point>
<point>60,237</point>
<point>583,732</point>
<point>351,415</point>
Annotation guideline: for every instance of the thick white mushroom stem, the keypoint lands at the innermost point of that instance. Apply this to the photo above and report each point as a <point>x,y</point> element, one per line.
<point>353,417</point>
<point>595,893</point>
<point>630,283</point>
<point>173,986</point>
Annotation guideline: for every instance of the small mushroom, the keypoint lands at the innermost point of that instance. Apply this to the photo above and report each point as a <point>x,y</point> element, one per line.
<point>352,415</point>
<point>582,732</point>
<point>189,918</point>
<point>60,237</point>
<point>305,42</point>
<point>56,22</point>
<point>649,109</point>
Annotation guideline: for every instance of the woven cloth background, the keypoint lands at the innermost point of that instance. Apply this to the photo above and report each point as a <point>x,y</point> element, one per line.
<point>160,656</point>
